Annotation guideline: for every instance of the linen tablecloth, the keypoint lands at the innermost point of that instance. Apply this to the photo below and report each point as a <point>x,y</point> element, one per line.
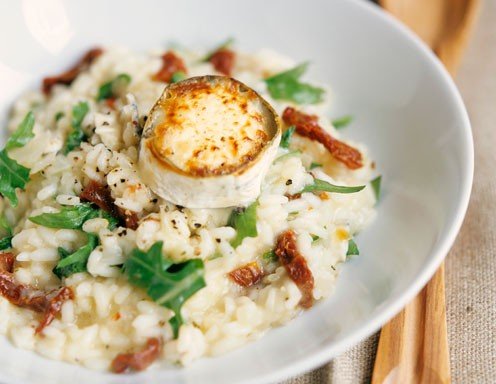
<point>471,264</point>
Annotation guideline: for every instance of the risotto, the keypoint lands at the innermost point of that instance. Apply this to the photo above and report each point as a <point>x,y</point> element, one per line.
<point>100,268</point>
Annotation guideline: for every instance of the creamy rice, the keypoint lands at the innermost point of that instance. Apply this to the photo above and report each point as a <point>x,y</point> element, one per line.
<point>108,316</point>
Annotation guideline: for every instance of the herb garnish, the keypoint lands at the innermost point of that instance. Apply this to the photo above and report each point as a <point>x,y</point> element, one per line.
<point>75,262</point>
<point>6,241</point>
<point>269,256</point>
<point>114,87</point>
<point>167,283</point>
<point>59,115</point>
<point>323,186</point>
<point>287,86</point>
<point>178,76</point>
<point>352,249</point>
<point>342,122</point>
<point>286,137</point>
<point>23,134</point>
<point>12,174</point>
<point>73,217</point>
<point>244,221</point>
<point>314,165</point>
<point>376,186</point>
<point>76,136</point>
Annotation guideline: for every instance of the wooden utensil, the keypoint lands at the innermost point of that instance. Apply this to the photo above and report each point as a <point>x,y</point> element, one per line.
<point>413,346</point>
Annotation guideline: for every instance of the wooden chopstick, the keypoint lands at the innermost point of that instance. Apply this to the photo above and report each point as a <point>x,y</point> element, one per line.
<point>413,346</point>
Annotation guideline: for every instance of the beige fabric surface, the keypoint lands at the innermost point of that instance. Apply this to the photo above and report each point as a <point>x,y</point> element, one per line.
<point>471,264</point>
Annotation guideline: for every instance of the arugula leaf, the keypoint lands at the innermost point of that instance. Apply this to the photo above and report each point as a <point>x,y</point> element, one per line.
<point>73,217</point>
<point>22,134</point>
<point>6,241</point>
<point>286,137</point>
<point>342,122</point>
<point>113,222</point>
<point>324,186</point>
<point>178,76</point>
<point>167,283</point>
<point>270,256</point>
<point>315,165</point>
<point>352,248</point>
<point>13,175</point>
<point>77,135</point>
<point>244,221</point>
<point>71,263</point>
<point>287,86</point>
<point>376,186</point>
<point>226,44</point>
<point>113,87</point>
<point>59,115</point>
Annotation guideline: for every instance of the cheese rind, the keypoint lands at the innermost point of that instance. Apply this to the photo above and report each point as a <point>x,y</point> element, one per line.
<point>208,142</point>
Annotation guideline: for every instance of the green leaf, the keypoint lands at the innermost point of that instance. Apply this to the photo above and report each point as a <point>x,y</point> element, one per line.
<point>167,283</point>
<point>114,87</point>
<point>59,115</point>
<point>12,175</point>
<point>287,86</point>
<point>376,186</point>
<point>73,217</point>
<point>225,44</point>
<point>286,137</point>
<point>113,222</point>
<point>269,256</point>
<point>244,221</point>
<point>352,248</point>
<point>4,224</point>
<point>6,243</point>
<point>323,186</point>
<point>178,76</point>
<point>76,136</point>
<point>315,165</point>
<point>315,238</point>
<point>342,122</point>
<point>22,134</point>
<point>71,263</point>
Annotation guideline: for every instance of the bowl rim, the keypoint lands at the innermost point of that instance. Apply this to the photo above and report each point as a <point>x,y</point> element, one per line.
<point>325,354</point>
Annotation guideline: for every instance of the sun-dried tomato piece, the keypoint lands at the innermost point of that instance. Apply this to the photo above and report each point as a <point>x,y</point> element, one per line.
<point>68,77</point>
<point>171,63</point>
<point>296,266</point>
<point>223,61</point>
<point>20,294</point>
<point>55,301</point>
<point>131,219</point>
<point>25,296</point>
<point>7,260</point>
<point>138,361</point>
<point>307,125</point>
<point>100,195</point>
<point>247,275</point>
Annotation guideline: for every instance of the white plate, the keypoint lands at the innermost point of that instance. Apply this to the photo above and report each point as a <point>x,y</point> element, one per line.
<point>406,108</point>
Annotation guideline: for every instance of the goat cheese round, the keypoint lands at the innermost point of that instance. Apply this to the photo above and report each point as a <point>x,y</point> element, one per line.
<point>208,143</point>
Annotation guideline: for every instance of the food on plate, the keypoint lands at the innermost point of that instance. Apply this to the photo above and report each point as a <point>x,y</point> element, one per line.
<point>173,205</point>
<point>208,143</point>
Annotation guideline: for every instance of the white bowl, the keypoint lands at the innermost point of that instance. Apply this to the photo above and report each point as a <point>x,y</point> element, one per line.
<point>406,108</point>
